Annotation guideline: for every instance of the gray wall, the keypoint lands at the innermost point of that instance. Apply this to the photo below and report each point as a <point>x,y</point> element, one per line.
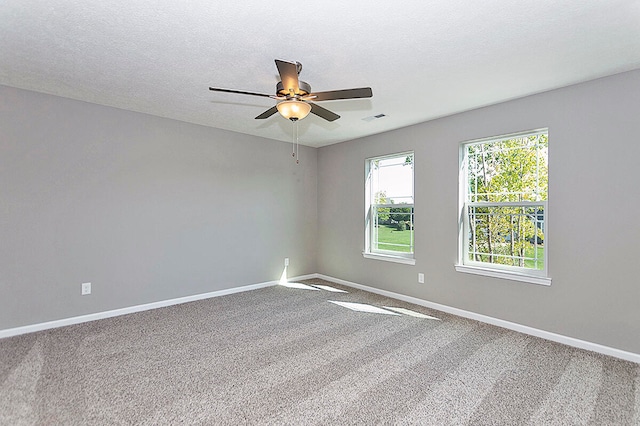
<point>594,212</point>
<point>145,208</point>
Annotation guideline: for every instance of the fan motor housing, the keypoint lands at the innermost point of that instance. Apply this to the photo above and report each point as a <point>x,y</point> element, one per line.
<point>304,87</point>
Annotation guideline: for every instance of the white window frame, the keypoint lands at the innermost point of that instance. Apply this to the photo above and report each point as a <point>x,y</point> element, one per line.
<point>378,254</point>
<point>466,265</point>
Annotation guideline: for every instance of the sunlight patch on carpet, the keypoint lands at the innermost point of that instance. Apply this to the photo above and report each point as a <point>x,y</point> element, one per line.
<point>298,286</point>
<point>363,307</point>
<point>411,313</point>
<point>329,288</point>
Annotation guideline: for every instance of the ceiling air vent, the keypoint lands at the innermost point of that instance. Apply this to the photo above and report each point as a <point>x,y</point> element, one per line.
<point>373,117</point>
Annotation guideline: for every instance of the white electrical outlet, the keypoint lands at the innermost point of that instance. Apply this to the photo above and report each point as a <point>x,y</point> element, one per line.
<point>286,261</point>
<point>86,288</point>
<point>421,278</point>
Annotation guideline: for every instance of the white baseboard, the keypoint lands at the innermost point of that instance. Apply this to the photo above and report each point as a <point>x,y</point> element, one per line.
<point>131,309</point>
<point>570,341</point>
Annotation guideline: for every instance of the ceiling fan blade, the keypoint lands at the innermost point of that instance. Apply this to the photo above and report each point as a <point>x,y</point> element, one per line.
<point>241,92</point>
<point>289,76</point>
<point>268,113</point>
<point>323,112</point>
<point>362,92</point>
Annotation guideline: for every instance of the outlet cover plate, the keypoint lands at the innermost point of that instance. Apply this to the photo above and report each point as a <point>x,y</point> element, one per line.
<point>86,288</point>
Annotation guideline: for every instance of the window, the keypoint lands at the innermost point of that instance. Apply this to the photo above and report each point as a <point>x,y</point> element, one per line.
<point>389,208</point>
<point>503,187</point>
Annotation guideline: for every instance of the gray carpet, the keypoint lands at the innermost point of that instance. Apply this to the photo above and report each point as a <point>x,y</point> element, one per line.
<point>287,356</point>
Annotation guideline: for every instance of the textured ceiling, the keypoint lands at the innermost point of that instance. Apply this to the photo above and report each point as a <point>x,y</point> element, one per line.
<point>423,59</point>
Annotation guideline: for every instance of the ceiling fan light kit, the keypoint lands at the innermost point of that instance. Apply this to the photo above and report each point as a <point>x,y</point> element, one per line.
<point>293,109</point>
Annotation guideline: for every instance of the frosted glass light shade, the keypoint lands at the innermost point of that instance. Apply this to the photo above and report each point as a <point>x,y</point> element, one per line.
<point>294,110</point>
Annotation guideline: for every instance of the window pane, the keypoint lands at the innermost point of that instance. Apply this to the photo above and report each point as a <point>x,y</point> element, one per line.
<point>505,186</point>
<point>393,229</point>
<point>507,235</point>
<point>508,170</point>
<point>393,180</point>
<point>390,210</point>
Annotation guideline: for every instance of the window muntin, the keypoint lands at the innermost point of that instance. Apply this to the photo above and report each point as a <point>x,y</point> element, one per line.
<point>390,210</point>
<point>504,181</point>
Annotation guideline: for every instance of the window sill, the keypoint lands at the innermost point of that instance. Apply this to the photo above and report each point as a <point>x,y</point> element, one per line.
<point>507,275</point>
<point>396,259</point>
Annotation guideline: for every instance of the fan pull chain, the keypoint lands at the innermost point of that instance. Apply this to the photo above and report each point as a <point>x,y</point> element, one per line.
<point>295,145</point>
<point>295,136</point>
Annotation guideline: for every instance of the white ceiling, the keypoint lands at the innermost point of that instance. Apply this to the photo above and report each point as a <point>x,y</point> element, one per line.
<point>423,59</point>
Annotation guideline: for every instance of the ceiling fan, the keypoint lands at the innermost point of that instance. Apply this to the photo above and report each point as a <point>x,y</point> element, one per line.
<point>294,95</point>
